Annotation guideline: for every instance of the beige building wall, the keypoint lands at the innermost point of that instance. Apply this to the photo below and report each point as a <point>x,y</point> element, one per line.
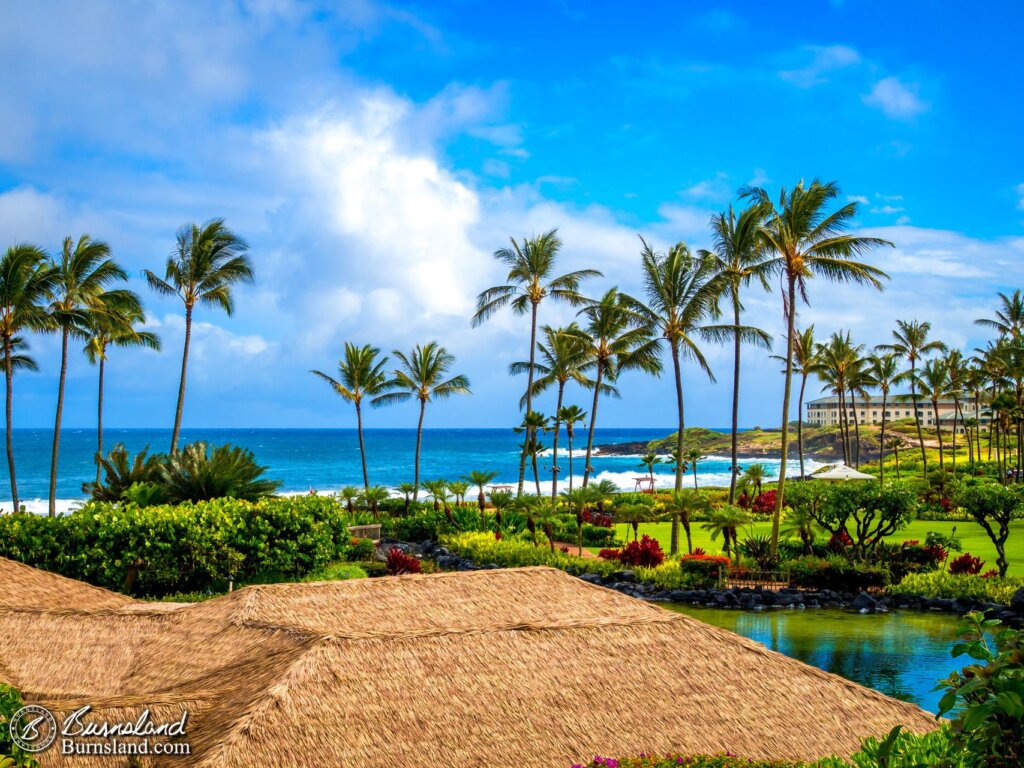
<point>826,412</point>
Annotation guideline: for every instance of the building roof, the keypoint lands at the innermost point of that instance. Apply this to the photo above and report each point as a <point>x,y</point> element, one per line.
<point>893,400</point>
<point>529,667</point>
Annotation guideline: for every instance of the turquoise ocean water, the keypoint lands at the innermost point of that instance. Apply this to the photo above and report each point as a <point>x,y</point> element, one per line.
<point>327,459</point>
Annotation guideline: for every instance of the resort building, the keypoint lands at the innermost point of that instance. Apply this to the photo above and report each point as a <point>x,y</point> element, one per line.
<point>825,411</point>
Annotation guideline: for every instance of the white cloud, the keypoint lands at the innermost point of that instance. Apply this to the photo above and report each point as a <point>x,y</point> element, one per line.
<point>715,189</point>
<point>902,220</point>
<point>825,60</point>
<point>860,199</point>
<point>1019,189</point>
<point>897,100</point>
<point>887,209</point>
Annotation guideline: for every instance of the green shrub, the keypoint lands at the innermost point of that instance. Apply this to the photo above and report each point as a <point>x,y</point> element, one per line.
<point>959,587</point>
<point>483,548</point>
<point>359,549</point>
<point>420,526</point>
<point>836,573</point>
<point>11,756</point>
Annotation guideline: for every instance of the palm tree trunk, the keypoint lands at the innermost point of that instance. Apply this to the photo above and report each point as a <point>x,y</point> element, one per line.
<point>800,425</point>
<point>593,421</point>
<point>844,423</point>
<point>956,414</point>
<point>856,430</point>
<point>99,421</point>
<point>181,384</point>
<point>533,461</point>
<point>677,371</point>
<point>419,444</point>
<point>694,475</point>
<point>938,431</point>
<point>733,447</point>
<point>917,419</point>
<point>362,446</point>
<point>9,375</point>
<point>881,440</point>
<point>56,422</point>
<point>529,398</point>
<point>784,437</point>
<point>568,437</point>
<point>554,444</point>
<point>991,425</point>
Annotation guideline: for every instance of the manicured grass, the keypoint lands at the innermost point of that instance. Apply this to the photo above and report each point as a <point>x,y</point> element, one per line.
<point>971,535</point>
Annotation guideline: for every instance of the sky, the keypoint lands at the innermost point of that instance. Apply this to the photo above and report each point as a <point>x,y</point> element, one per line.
<point>375,155</point>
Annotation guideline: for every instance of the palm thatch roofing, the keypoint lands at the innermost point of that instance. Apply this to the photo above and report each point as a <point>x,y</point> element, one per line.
<point>527,667</point>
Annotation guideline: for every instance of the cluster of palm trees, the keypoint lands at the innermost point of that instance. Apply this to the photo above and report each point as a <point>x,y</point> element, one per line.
<point>80,295</point>
<point>986,386</point>
<point>686,297</point>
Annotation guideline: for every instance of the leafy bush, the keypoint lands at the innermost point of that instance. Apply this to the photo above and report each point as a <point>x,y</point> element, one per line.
<point>646,553</point>
<point>764,503</point>
<point>759,549</point>
<point>11,755</point>
<point>687,761</point>
<point>185,548</point>
<point>420,526</point>
<point>483,548</point>
<point>599,519</point>
<point>836,573</point>
<point>398,562</point>
<point>120,472</point>
<point>959,587</point>
<point>703,571</point>
<point>358,549</point>
<point>966,564</point>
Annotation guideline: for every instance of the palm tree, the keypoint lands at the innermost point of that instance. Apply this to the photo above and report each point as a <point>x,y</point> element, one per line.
<point>691,458</point>
<point>360,374</point>
<point>682,506</point>
<point>500,500</point>
<point>480,479</point>
<point>799,522</point>
<point>373,496</point>
<point>805,354</point>
<point>740,256</point>
<point>910,342</point>
<point>933,383</point>
<point>836,367</point>
<point>1009,317</point>
<point>438,491</point>
<point>407,490</point>
<point>459,489</point>
<point>84,273</point>
<point>563,359</point>
<point>617,339</point>
<point>754,475</point>
<point>724,522</point>
<point>571,415</point>
<point>894,445</point>
<point>958,370</point>
<point>26,278</point>
<point>533,422</point>
<point>117,326</point>
<point>881,373</point>
<point>349,495</point>
<point>422,377</point>
<point>634,513</point>
<point>807,241</point>
<point>577,502</point>
<point>206,264</point>
<point>649,460</point>
<point>531,266</point>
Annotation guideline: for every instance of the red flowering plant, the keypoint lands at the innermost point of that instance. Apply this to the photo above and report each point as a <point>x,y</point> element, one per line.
<point>764,503</point>
<point>646,553</point>
<point>610,554</point>
<point>839,541</point>
<point>600,519</point>
<point>398,562</point>
<point>705,570</point>
<point>966,564</point>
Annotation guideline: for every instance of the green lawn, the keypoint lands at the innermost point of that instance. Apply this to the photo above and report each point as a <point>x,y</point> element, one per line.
<point>971,535</point>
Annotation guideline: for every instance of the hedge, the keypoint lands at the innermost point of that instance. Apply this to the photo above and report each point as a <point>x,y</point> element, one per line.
<point>959,587</point>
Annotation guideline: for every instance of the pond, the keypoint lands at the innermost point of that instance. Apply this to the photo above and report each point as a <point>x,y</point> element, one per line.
<point>902,654</point>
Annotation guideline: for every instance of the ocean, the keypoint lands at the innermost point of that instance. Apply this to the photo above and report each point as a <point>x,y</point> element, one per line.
<point>328,459</point>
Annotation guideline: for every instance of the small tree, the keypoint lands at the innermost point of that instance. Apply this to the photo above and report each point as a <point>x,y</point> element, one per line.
<point>682,506</point>
<point>993,507</point>
<point>863,510</point>
<point>500,500</point>
<point>577,501</point>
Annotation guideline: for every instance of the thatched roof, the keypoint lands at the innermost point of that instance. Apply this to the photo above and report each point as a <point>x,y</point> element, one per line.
<point>527,667</point>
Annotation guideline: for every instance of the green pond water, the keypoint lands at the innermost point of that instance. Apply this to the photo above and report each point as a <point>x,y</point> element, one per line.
<point>902,654</point>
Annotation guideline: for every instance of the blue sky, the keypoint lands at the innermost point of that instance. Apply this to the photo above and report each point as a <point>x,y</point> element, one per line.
<point>374,155</point>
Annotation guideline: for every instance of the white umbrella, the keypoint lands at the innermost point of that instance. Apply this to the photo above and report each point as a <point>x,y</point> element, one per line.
<point>842,472</point>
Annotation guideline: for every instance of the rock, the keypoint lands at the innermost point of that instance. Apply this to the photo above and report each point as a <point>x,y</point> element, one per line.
<point>591,578</point>
<point>864,602</point>
<point>625,576</point>
<point>465,565</point>
<point>441,552</point>
<point>428,546</point>
<point>1017,601</point>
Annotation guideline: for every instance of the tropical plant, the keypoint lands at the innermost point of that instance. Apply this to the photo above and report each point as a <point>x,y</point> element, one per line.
<point>807,241</point>
<point>121,472</point>
<point>361,374</point>
<point>500,500</point>
<point>481,478</point>
<point>197,473</point>
<point>634,513</point>
<point>530,280</point>
<point>459,488</point>
<point>207,263</point>
<point>373,496</point>
<point>26,279</point>
<point>725,522</point>
<point>116,326</point>
<point>617,339</point>
<point>438,491</point>
<point>881,373</point>
<point>11,755</point>
<point>994,508</point>
<point>805,357</point>
<point>839,362</point>
<point>933,384</point>
<point>571,415</point>
<point>741,256</point>
<point>407,490</point>
<point>349,495</point>
<point>563,359</point>
<point>683,506</point>
<point>577,502</point>
<point>533,423</point>
<point>910,342</point>
<point>800,523</point>
<point>691,458</point>
<point>648,461</point>
<point>422,377</point>
<point>753,476</point>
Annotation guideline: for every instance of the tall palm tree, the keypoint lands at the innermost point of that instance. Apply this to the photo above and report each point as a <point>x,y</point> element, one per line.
<point>692,457</point>
<point>533,422</point>
<point>361,374</point>
<point>118,326</point>
<point>740,256</point>
<point>933,383</point>
<point>563,359</point>
<point>422,376</point>
<point>207,263</point>
<point>881,373</point>
<point>958,371</point>
<point>807,241</point>
<point>754,475</point>
<point>571,415</point>
<point>617,339</point>
<point>500,500</point>
<point>683,505</point>
<point>531,279</point>
<point>84,273</point>
<point>26,279</point>
<point>438,490</point>
<point>805,354</point>
<point>1009,317</point>
<point>910,342</point>
<point>837,361</point>
<point>725,521</point>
